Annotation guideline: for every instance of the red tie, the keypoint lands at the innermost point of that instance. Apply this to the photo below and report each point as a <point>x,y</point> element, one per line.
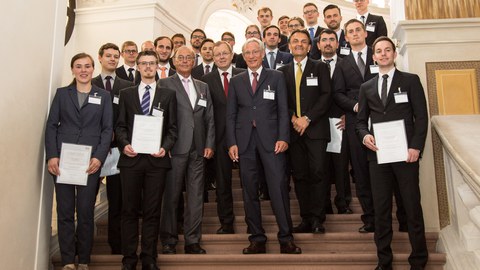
<point>254,81</point>
<point>225,83</point>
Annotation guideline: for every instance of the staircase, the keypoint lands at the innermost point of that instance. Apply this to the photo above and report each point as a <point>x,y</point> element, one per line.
<point>340,248</point>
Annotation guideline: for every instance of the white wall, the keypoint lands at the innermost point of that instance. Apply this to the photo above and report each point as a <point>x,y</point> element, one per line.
<point>31,44</point>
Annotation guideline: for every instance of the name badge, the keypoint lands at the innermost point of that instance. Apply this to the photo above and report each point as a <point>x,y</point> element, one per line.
<point>269,93</point>
<point>279,65</point>
<point>374,69</point>
<point>202,102</point>
<point>95,99</point>
<point>344,51</point>
<point>400,97</point>
<point>312,81</point>
<point>370,27</point>
<point>157,111</point>
<point>116,100</point>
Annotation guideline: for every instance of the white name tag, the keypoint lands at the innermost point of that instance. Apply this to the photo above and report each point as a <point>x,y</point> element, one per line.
<point>95,100</point>
<point>279,65</point>
<point>269,94</point>
<point>344,51</point>
<point>401,97</point>
<point>202,102</point>
<point>312,81</point>
<point>371,28</point>
<point>115,100</point>
<point>157,113</point>
<point>374,69</point>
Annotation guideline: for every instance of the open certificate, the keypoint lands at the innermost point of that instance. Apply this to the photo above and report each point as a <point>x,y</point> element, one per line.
<point>391,140</point>
<point>147,134</point>
<point>335,144</point>
<point>74,161</point>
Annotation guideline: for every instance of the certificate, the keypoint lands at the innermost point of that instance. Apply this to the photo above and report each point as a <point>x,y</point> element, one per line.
<point>335,144</point>
<point>147,134</point>
<point>391,140</point>
<point>74,161</point>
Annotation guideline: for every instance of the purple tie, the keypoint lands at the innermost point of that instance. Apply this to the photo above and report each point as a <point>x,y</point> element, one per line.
<point>254,81</point>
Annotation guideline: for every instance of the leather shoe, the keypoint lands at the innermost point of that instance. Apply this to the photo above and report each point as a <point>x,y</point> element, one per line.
<point>317,226</point>
<point>290,248</point>
<point>255,248</point>
<point>226,229</point>
<point>367,228</point>
<point>127,266</point>
<point>303,227</point>
<point>194,249</point>
<point>151,266</point>
<point>169,249</point>
<point>345,210</point>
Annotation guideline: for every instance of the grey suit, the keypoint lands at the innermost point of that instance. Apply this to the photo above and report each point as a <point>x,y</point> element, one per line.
<point>196,131</point>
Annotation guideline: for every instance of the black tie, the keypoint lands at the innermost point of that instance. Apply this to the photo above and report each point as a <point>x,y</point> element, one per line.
<point>130,74</point>
<point>384,89</point>
<point>328,61</point>
<point>361,64</point>
<point>108,84</point>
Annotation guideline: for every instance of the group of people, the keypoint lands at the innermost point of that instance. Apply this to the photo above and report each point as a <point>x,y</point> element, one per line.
<point>269,108</point>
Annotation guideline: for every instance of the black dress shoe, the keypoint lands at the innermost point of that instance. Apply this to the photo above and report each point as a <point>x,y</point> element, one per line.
<point>303,227</point>
<point>194,249</point>
<point>226,229</point>
<point>255,248</point>
<point>127,266</point>
<point>367,228</point>
<point>150,266</point>
<point>317,226</point>
<point>169,249</point>
<point>345,210</point>
<point>290,248</point>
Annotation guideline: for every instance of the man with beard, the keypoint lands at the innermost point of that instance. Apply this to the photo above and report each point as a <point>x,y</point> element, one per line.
<point>207,65</point>
<point>374,24</point>
<point>196,39</point>
<point>274,58</point>
<point>163,47</point>
<point>332,17</point>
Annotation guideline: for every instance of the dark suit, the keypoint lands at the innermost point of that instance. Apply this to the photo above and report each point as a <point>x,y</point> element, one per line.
<point>199,71</point>
<point>380,28</point>
<point>314,51</point>
<point>240,63</point>
<point>171,72</point>
<point>114,185</point>
<point>196,131</point>
<point>383,176</point>
<point>283,44</point>
<point>244,110</point>
<point>342,43</point>
<point>282,58</point>
<point>89,124</point>
<point>223,163</point>
<point>346,84</point>
<point>120,71</point>
<point>308,152</point>
<point>143,176</point>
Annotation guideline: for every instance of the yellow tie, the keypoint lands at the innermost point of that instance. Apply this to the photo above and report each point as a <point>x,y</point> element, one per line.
<point>298,79</point>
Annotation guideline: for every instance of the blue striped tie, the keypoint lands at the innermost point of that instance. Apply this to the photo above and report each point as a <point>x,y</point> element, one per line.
<point>146,101</point>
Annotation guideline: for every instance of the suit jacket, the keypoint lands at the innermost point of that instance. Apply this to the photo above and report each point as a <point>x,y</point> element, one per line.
<point>314,51</point>
<point>380,28</point>
<point>120,71</point>
<point>244,107</point>
<point>240,62</point>
<point>335,110</point>
<point>283,44</point>
<point>314,100</point>
<point>346,83</point>
<point>342,43</point>
<point>282,58</point>
<point>89,124</point>
<point>414,112</point>
<point>198,71</point>
<point>219,101</point>
<point>195,124</point>
<point>129,106</point>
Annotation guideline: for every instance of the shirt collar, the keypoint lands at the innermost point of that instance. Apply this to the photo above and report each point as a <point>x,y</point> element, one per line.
<point>389,73</point>
<point>259,71</point>
<point>229,70</point>
<point>142,85</point>
<point>103,75</point>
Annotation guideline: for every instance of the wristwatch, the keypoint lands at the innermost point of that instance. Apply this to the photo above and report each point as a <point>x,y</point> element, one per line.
<point>308,119</point>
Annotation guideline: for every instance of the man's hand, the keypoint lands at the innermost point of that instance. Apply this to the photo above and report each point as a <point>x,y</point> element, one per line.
<point>233,153</point>
<point>280,146</point>
<point>53,166</point>
<point>341,125</point>
<point>369,142</point>
<point>159,154</point>
<point>94,165</point>
<point>413,155</point>
<point>301,124</point>
<point>208,153</point>
<point>128,151</point>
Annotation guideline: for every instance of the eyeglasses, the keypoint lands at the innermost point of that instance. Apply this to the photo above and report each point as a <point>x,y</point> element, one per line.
<point>294,25</point>
<point>198,37</point>
<point>182,58</point>
<point>309,12</point>
<point>253,33</point>
<point>328,39</point>
<point>255,52</point>
<point>222,54</point>
<point>358,1</point>
<point>151,63</point>
<point>130,51</point>
<point>228,39</point>
<point>178,42</point>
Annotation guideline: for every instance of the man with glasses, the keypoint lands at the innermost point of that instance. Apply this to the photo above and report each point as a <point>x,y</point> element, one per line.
<point>310,14</point>
<point>218,84</point>
<point>332,17</point>
<point>295,23</point>
<point>163,47</point>
<point>195,143</point>
<point>374,24</point>
<point>143,176</point>
<point>196,38</point>
<point>230,39</point>
<point>128,71</point>
<point>252,31</point>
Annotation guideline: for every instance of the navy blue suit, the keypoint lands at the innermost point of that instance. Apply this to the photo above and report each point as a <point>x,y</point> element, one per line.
<point>281,58</point>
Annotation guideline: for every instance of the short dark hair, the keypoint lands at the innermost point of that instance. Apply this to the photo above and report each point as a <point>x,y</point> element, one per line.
<point>107,46</point>
<point>332,7</point>
<point>128,43</point>
<point>160,38</point>
<point>283,17</point>
<point>146,53</point>
<point>383,38</point>
<point>353,21</point>
<point>228,34</point>
<point>271,26</point>
<point>205,41</point>
<point>198,30</point>
<point>310,5</point>
<point>303,31</point>
<point>80,56</point>
<point>300,20</point>
<point>329,32</point>
<point>264,9</point>
<point>250,26</point>
<point>180,36</point>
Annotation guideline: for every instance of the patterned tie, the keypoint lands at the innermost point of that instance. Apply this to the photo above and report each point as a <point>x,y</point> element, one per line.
<point>384,89</point>
<point>108,84</point>
<point>146,100</point>
<point>298,80</point>
<point>254,81</point>
<point>361,64</point>
<point>163,74</point>
<point>207,69</point>
<point>130,74</point>
<point>272,60</point>
<point>225,83</point>
<point>312,33</point>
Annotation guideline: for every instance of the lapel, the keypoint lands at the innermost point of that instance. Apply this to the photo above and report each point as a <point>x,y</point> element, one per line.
<point>156,99</point>
<point>217,84</point>
<point>136,100</point>
<point>394,86</point>
<point>179,86</point>
<point>246,80</point>
<point>375,90</point>
<point>263,77</point>
<point>307,71</point>
<point>201,93</point>
<point>72,92</point>
<point>354,65</point>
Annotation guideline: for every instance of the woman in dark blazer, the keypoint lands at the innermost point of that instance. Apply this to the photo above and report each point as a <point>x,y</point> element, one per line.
<point>81,113</point>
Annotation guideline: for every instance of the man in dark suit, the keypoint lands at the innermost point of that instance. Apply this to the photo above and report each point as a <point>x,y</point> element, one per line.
<point>258,127</point>
<point>229,37</point>
<point>374,24</point>
<point>143,175</point>
<point>108,56</point>
<point>347,78</point>
<point>128,71</point>
<point>265,17</point>
<point>207,65</point>
<point>390,96</point>
<point>332,17</point>
<point>196,142</point>
<point>308,87</point>
<point>310,14</point>
<point>163,47</point>
<point>218,84</point>
<point>196,38</point>
<point>274,58</point>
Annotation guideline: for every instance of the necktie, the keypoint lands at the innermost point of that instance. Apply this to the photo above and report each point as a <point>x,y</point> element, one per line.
<point>108,84</point>
<point>272,60</point>
<point>312,34</point>
<point>163,74</point>
<point>225,83</point>
<point>328,61</point>
<point>196,59</point>
<point>146,100</point>
<point>130,74</point>
<point>186,85</point>
<point>361,64</point>
<point>384,89</point>
<point>254,81</point>
<point>207,69</point>
<point>298,80</point>
<point>363,19</point>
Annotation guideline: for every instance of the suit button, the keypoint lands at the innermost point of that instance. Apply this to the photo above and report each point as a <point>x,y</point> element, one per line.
<point>254,107</point>
<point>384,112</point>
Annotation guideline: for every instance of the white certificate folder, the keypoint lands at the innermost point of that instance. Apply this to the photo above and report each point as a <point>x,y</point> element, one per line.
<point>147,134</point>
<point>391,140</point>
<point>74,162</point>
